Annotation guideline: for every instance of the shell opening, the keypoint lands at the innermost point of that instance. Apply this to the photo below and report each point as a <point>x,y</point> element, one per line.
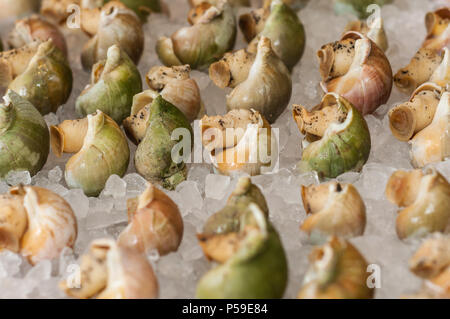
<point>319,120</point>
<point>408,118</point>
<point>335,59</point>
<point>402,122</point>
<point>402,187</point>
<point>252,23</point>
<point>220,74</point>
<point>232,69</point>
<point>68,136</point>
<point>337,126</point>
<point>57,140</point>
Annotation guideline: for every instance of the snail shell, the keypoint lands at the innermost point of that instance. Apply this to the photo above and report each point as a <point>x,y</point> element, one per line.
<point>92,9</point>
<point>333,209</point>
<point>232,69</point>
<point>154,223</point>
<point>47,79</point>
<point>337,271</point>
<point>432,262</point>
<point>268,86</point>
<point>153,158</point>
<point>225,220</point>
<point>212,34</point>
<point>240,141</point>
<point>63,136</point>
<point>431,62</point>
<point>438,29</point>
<point>408,118</point>
<point>432,144</point>
<point>337,137</point>
<point>357,69</point>
<point>432,257</point>
<point>104,151</point>
<point>136,124</point>
<point>252,23</point>
<point>114,82</point>
<point>15,62</point>
<point>176,87</point>
<point>426,66</point>
<point>24,137</point>
<point>281,25</point>
<point>117,25</point>
<point>252,259</point>
<point>111,271</point>
<point>36,28</point>
<point>425,198</point>
<point>36,223</point>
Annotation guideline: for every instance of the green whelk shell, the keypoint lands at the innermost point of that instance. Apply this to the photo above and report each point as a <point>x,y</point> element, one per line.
<point>104,152</point>
<point>153,158</point>
<point>286,33</point>
<point>228,218</point>
<point>344,146</point>
<point>114,82</point>
<point>258,268</point>
<point>116,25</point>
<point>24,136</point>
<point>47,80</point>
<point>203,43</point>
<point>268,86</point>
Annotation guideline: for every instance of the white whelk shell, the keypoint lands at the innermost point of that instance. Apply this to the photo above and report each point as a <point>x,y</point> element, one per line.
<point>36,223</point>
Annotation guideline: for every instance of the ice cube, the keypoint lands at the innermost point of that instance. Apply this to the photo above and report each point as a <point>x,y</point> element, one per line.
<point>41,271</point>
<point>216,186</point>
<point>14,178</point>
<point>79,202</point>
<point>115,187</point>
<point>55,174</point>
<point>135,183</point>
<point>9,263</point>
<point>3,187</point>
<point>190,197</point>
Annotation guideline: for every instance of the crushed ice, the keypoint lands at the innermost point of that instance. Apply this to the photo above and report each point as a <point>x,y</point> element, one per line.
<point>204,193</point>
